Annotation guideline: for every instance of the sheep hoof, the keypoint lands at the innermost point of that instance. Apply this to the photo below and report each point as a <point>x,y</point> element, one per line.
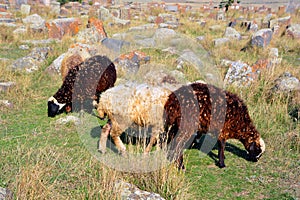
<point>101,151</point>
<point>221,165</point>
<point>123,153</point>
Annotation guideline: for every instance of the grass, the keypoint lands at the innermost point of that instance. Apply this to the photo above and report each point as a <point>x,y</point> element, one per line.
<point>43,160</point>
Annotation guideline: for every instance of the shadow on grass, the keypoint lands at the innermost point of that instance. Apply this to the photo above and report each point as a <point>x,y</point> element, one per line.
<point>228,148</point>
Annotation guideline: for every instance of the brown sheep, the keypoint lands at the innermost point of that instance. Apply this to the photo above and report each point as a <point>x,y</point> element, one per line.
<point>83,84</point>
<point>203,108</point>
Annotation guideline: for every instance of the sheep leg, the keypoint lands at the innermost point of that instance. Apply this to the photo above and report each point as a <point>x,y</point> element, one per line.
<point>221,148</point>
<point>103,138</point>
<point>153,139</point>
<point>119,144</point>
<point>179,163</point>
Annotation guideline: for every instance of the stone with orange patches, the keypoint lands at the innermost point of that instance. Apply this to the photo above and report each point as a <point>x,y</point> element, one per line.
<point>60,27</point>
<point>98,24</point>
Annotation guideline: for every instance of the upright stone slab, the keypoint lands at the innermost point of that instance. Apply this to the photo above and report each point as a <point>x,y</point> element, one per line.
<point>25,9</point>
<point>59,27</point>
<point>55,7</point>
<point>262,38</point>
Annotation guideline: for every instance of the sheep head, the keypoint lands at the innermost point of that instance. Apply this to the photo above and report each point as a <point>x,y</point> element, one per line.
<point>54,108</point>
<point>256,150</point>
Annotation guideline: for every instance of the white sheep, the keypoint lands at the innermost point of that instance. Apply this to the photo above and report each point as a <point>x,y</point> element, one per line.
<point>130,103</point>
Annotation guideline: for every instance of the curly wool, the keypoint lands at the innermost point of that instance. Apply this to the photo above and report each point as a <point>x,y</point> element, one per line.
<point>86,81</point>
<point>129,103</point>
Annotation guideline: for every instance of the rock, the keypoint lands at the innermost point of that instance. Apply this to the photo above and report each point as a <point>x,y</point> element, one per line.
<point>55,66</point>
<point>239,74</point>
<point>25,9</point>
<point>292,6</point>
<point>190,57</point>
<point>121,22</point>
<point>98,24</point>
<point>163,34</point>
<point>68,119</point>
<point>252,27</point>
<point>4,86</point>
<point>262,38</point>
<point>57,28</point>
<point>34,22</point>
<point>76,54</point>
<point>266,20</point>
<point>232,33</point>
<point>40,42</point>
<point>216,28</point>
<point>104,13</point>
<point>130,62</point>
<point>170,25</point>
<point>8,24</point>
<point>32,61</point>
<point>20,31</point>
<point>200,38</point>
<point>55,7</point>
<point>131,192</point>
<point>147,42</point>
<point>160,77</point>
<point>286,83</point>
<point>294,31</point>
<point>232,23</point>
<point>142,27</point>
<point>114,44</point>
<point>24,47</point>
<point>201,23</point>
<point>93,34</point>
<point>6,104</point>
<point>5,194</point>
<point>220,41</point>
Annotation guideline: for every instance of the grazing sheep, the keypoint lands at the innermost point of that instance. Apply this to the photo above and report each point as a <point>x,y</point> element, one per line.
<point>203,108</point>
<point>130,103</point>
<point>82,85</point>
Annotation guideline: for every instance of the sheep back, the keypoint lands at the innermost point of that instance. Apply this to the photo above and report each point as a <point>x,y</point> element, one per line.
<point>134,103</point>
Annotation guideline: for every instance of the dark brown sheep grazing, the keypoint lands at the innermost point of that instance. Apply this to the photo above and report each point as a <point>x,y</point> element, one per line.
<point>202,108</point>
<point>83,84</point>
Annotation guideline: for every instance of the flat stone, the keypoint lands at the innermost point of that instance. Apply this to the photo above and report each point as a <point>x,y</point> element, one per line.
<point>131,192</point>
<point>286,82</point>
<point>220,41</point>
<point>68,119</point>
<point>5,194</point>
<point>4,86</point>
<point>232,33</point>
<point>35,22</point>
<point>6,104</point>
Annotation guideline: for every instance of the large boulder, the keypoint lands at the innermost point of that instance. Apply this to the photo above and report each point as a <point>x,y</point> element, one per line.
<point>294,31</point>
<point>232,33</point>
<point>262,38</point>
<point>58,28</point>
<point>94,32</point>
<point>34,22</point>
<point>286,83</point>
<point>239,74</point>
<point>32,61</point>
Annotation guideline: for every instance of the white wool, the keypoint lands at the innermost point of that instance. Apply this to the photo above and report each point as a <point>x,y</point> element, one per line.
<point>134,103</point>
